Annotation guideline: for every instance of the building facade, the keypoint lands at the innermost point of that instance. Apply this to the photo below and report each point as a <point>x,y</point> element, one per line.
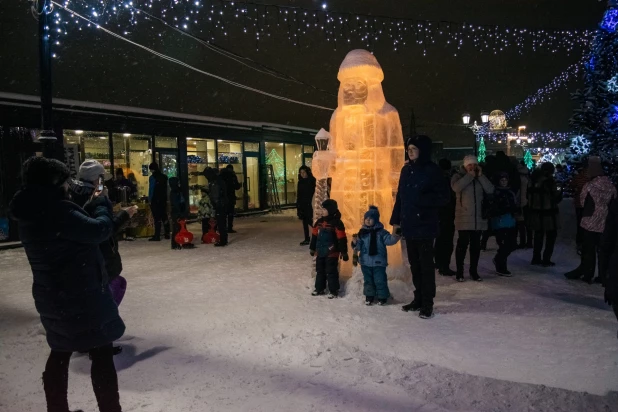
<point>266,157</point>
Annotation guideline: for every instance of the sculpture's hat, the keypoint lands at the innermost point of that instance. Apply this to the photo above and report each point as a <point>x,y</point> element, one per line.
<point>360,63</point>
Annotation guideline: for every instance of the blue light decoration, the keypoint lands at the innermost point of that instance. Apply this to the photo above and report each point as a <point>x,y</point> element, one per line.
<point>610,20</point>
<point>592,63</point>
<point>613,118</point>
<point>612,84</point>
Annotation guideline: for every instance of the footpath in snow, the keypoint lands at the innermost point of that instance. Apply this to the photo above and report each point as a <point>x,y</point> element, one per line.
<point>235,329</point>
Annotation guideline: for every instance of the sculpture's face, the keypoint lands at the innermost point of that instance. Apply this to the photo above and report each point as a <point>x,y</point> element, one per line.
<point>354,91</point>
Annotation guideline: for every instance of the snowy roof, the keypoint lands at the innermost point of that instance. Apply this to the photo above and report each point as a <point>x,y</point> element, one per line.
<point>153,112</point>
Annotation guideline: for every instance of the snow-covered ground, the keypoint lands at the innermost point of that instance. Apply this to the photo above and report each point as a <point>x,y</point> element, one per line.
<point>235,329</point>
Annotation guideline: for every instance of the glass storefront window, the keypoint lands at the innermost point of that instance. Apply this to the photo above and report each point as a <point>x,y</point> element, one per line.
<point>230,153</point>
<point>92,145</point>
<point>201,153</point>
<point>166,142</point>
<point>274,156</point>
<point>252,147</point>
<point>293,162</point>
<point>133,154</point>
<point>308,149</point>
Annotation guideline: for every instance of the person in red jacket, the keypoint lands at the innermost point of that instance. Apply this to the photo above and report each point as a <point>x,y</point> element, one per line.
<point>329,242</point>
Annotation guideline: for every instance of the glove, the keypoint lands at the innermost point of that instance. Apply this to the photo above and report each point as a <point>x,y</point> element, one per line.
<point>609,299</point>
<point>355,260</point>
<point>312,252</point>
<point>345,257</point>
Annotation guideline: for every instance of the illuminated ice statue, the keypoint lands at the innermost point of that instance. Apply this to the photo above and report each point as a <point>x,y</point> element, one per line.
<point>368,143</point>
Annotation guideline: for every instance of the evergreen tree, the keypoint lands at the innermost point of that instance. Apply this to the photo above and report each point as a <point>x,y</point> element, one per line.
<point>482,151</point>
<point>596,118</point>
<point>528,160</point>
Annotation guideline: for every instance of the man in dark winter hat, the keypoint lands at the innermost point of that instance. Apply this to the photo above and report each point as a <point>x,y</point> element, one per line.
<point>329,242</point>
<point>220,202</point>
<point>69,285</point>
<point>422,192</point>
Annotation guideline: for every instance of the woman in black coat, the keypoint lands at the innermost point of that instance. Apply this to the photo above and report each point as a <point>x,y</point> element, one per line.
<point>304,200</point>
<point>69,280</point>
<point>608,259</point>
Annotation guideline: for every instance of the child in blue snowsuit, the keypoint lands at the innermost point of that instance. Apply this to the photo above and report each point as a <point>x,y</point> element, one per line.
<point>371,247</point>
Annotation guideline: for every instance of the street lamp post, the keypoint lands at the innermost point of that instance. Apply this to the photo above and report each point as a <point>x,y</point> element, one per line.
<point>476,128</point>
<point>47,136</point>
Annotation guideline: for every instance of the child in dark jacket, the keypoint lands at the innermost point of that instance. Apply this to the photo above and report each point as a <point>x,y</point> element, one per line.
<point>371,246</point>
<point>503,209</point>
<point>329,242</point>
<point>178,207</point>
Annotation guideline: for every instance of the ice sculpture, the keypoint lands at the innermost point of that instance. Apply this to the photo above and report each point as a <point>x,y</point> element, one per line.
<point>367,139</point>
<point>368,143</point>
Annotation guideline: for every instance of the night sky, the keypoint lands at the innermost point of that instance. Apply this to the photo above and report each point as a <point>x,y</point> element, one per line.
<point>95,67</point>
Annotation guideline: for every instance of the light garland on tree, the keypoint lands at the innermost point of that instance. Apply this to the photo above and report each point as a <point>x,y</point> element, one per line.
<point>545,92</point>
<point>220,19</point>
<point>580,146</point>
<point>534,138</point>
<point>528,160</point>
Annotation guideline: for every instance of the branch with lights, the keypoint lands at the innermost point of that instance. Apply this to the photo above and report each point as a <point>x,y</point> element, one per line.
<point>219,18</point>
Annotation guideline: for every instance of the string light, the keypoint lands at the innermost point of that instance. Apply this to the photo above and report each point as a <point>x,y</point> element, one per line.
<point>544,92</point>
<point>219,18</point>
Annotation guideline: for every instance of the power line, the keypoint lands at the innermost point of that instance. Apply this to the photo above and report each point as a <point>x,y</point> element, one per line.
<point>173,60</point>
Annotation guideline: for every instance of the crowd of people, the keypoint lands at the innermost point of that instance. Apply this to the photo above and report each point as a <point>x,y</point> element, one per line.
<point>68,228</point>
<point>499,198</point>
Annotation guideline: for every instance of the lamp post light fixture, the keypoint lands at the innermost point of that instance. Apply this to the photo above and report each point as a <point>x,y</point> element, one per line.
<point>475,127</point>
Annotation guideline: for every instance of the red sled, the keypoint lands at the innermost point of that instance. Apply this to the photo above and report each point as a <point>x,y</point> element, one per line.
<point>211,236</point>
<point>183,237</point>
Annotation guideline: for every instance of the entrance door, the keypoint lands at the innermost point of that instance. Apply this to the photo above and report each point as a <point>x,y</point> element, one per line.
<point>168,161</point>
<point>252,185</point>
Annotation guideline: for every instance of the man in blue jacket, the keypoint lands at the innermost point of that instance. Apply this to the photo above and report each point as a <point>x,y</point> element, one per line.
<point>422,192</point>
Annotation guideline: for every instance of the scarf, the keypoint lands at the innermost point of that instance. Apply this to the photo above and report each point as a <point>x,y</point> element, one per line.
<point>373,242</point>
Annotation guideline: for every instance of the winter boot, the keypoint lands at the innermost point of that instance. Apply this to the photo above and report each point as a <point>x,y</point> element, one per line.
<point>381,302</point>
<point>574,274</point>
<point>368,300</point>
<point>548,264</point>
<point>105,380</point>
<point>317,292</point>
<point>426,313</point>
<point>447,272</point>
<point>501,269</point>
<point>56,388</point>
<point>332,295</point>
<point>154,239</point>
<point>412,306</point>
<point>475,276</point>
<point>459,277</point>
<point>305,242</point>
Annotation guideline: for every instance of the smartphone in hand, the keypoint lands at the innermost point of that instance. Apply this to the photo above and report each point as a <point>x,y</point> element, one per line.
<point>398,231</point>
<point>101,185</point>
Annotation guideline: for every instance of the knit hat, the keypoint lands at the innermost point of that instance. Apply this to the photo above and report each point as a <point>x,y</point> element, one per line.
<point>595,168</point>
<point>331,206</point>
<point>470,160</point>
<point>45,172</point>
<point>373,213</point>
<point>90,170</point>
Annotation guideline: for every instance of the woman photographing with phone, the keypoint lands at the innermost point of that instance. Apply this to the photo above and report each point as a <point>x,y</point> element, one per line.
<point>69,279</point>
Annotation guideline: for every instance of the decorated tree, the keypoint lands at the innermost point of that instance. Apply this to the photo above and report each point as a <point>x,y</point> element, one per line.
<point>482,151</point>
<point>528,160</point>
<point>276,161</point>
<point>596,118</point>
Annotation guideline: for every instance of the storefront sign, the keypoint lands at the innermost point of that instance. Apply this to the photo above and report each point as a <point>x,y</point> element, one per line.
<point>71,158</point>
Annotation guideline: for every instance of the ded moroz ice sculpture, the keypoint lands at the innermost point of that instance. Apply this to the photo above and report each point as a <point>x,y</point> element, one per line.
<point>368,143</point>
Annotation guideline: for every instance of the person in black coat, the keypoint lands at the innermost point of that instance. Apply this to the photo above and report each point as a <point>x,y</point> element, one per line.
<point>70,287</point>
<point>219,201</point>
<point>304,200</point>
<point>157,196</point>
<point>231,186</point>
<point>608,257</point>
<point>422,192</point>
<point>179,208</point>
<point>443,249</point>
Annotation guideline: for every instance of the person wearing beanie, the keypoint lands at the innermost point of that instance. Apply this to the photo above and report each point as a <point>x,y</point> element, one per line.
<point>69,285</point>
<point>504,206</point>
<point>471,187</point>
<point>370,245</point>
<point>157,196</point>
<point>329,242</point>
<point>443,249</point>
<point>421,193</point>
<point>596,196</point>
<point>543,199</point>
